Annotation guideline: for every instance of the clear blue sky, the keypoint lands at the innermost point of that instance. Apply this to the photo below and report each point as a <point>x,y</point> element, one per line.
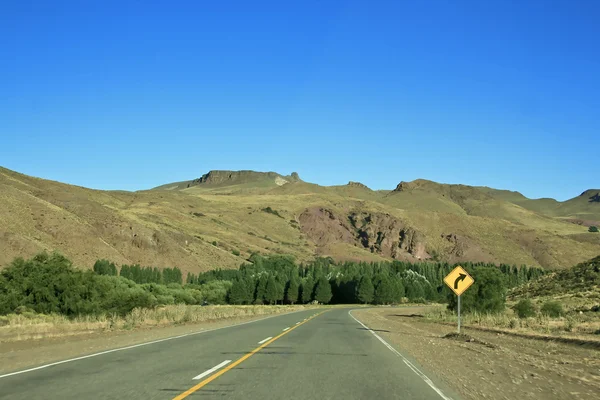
<point>130,95</point>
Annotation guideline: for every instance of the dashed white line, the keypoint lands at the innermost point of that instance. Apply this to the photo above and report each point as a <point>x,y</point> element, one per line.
<point>286,329</point>
<point>264,340</point>
<point>213,369</point>
<point>406,361</point>
<point>138,345</point>
<point>297,322</point>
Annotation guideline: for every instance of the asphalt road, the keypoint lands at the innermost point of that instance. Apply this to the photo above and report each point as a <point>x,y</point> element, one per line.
<point>323,355</point>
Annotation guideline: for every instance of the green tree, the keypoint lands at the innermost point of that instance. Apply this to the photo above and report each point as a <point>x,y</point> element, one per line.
<point>271,291</point>
<point>323,291</point>
<point>308,286</point>
<point>399,290</point>
<point>525,308</point>
<point>414,290</point>
<point>105,267</point>
<point>487,294</point>
<point>594,229</point>
<point>259,293</point>
<point>125,271</point>
<point>292,290</point>
<point>237,294</point>
<point>384,292</point>
<point>250,288</point>
<point>366,290</point>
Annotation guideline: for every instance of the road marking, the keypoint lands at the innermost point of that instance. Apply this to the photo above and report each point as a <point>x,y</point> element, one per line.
<point>264,340</point>
<point>286,329</point>
<point>406,361</point>
<point>140,345</point>
<point>237,362</point>
<point>297,322</point>
<point>213,369</point>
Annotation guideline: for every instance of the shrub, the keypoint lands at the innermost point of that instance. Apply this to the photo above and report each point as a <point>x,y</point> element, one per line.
<point>525,309</point>
<point>486,295</point>
<point>236,252</point>
<point>594,229</point>
<point>570,324</point>
<point>269,210</point>
<point>552,309</point>
<point>214,243</point>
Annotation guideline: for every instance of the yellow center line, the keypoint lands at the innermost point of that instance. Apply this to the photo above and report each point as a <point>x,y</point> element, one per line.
<point>238,362</point>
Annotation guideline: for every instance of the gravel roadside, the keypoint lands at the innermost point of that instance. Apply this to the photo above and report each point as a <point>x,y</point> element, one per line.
<point>484,365</point>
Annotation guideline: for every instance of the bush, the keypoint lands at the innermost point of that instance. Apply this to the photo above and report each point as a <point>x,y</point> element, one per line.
<point>525,309</point>
<point>214,243</point>
<point>594,229</point>
<point>486,295</point>
<point>269,210</point>
<point>235,252</point>
<point>552,309</point>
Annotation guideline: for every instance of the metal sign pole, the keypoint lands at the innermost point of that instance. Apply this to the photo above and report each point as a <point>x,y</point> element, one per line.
<point>458,313</point>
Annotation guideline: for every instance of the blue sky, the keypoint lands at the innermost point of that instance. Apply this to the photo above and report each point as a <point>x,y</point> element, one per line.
<point>130,95</point>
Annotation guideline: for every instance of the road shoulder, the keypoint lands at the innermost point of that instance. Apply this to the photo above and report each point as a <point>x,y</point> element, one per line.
<point>492,366</point>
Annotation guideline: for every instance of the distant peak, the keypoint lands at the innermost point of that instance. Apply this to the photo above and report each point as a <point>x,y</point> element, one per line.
<point>593,195</point>
<point>407,186</point>
<point>358,184</point>
<point>590,192</point>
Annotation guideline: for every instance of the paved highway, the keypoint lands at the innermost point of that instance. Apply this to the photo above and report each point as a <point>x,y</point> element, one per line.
<point>304,355</point>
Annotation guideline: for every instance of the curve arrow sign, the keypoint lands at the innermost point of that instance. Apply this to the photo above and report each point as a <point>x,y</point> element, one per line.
<point>461,277</point>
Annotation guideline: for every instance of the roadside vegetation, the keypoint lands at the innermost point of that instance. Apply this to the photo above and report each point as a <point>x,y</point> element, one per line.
<point>30,325</point>
<point>48,296</point>
<point>50,284</point>
<point>564,303</point>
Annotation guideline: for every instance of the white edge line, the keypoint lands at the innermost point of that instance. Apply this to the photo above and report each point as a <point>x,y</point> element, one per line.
<point>213,369</point>
<point>406,361</point>
<point>286,329</point>
<point>140,345</point>
<point>264,340</point>
<point>297,323</point>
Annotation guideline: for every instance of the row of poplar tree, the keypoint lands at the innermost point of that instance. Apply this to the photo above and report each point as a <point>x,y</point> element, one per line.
<point>278,279</point>
<point>140,274</point>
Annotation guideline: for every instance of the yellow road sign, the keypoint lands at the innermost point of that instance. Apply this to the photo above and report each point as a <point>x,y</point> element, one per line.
<point>458,280</point>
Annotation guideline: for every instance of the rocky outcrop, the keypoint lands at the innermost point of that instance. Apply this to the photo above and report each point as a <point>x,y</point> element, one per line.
<point>220,177</point>
<point>388,236</point>
<point>458,244</point>
<point>380,233</point>
<point>323,227</point>
<point>358,185</point>
<point>462,248</point>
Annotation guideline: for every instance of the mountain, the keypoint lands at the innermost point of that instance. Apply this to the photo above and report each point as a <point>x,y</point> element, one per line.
<point>220,218</point>
<point>232,180</point>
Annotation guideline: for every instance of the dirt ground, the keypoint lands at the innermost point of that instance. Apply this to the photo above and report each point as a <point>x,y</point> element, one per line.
<point>25,354</point>
<point>491,366</point>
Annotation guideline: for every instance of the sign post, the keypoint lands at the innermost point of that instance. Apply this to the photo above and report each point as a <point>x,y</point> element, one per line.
<point>458,280</point>
<point>459,313</point>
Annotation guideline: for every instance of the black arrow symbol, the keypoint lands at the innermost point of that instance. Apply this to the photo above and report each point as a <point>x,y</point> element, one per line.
<point>461,277</point>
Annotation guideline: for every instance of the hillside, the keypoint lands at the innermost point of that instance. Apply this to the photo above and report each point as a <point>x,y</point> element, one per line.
<point>577,287</point>
<point>204,223</point>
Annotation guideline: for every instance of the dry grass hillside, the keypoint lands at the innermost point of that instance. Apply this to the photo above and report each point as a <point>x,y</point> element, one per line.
<point>218,220</point>
<point>577,288</point>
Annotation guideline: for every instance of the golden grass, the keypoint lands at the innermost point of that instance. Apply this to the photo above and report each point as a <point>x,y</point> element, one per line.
<point>15,327</point>
<point>573,324</point>
<point>159,228</point>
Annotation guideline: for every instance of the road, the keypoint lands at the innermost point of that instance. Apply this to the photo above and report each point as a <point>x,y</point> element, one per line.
<point>312,354</point>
